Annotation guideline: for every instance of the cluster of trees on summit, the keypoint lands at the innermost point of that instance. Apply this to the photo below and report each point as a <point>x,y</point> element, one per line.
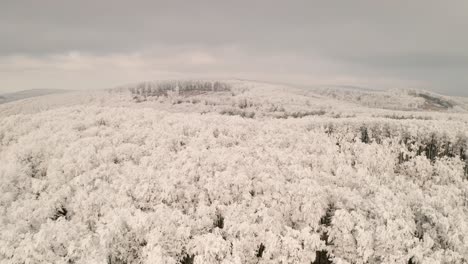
<point>163,88</point>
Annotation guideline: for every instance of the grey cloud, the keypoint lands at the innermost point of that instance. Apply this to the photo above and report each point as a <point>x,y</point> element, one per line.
<point>375,38</point>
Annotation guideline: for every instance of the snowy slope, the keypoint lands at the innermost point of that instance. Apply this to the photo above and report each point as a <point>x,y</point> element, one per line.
<point>394,99</point>
<point>10,97</point>
<point>231,172</point>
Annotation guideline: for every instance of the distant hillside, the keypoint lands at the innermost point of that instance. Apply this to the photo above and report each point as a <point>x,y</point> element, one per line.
<point>394,99</point>
<point>10,97</point>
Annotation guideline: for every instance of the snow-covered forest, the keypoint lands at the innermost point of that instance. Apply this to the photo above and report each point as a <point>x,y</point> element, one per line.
<point>234,172</point>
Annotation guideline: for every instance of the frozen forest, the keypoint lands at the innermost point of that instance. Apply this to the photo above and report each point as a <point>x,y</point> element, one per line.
<point>231,171</point>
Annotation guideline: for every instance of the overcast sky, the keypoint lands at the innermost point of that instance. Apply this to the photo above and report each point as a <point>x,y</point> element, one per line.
<point>88,44</point>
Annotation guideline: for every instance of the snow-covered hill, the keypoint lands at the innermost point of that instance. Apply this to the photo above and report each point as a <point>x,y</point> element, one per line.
<point>395,99</point>
<point>10,97</point>
<point>233,172</point>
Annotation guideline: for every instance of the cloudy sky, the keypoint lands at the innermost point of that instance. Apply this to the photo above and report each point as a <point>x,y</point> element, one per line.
<point>88,44</point>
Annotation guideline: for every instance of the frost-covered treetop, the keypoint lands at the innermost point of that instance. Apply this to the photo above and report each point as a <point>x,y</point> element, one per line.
<point>229,172</point>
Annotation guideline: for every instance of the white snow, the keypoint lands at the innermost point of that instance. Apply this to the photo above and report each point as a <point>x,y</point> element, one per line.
<point>194,177</point>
